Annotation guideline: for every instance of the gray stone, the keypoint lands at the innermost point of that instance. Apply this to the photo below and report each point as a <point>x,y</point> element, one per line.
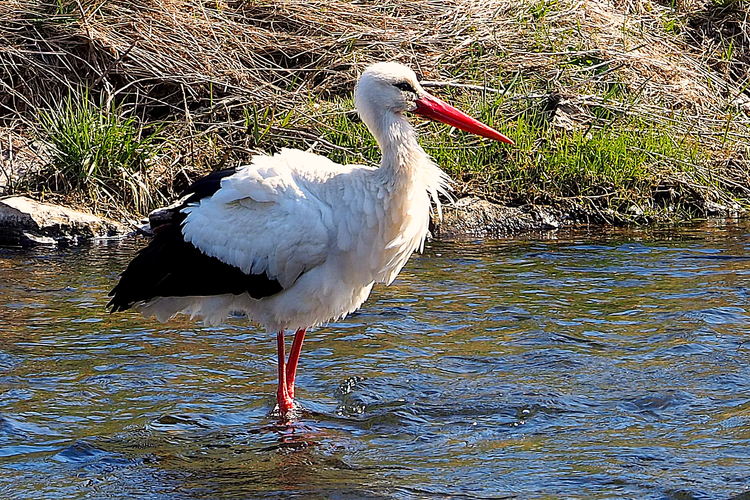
<point>713,208</point>
<point>474,217</point>
<point>26,222</point>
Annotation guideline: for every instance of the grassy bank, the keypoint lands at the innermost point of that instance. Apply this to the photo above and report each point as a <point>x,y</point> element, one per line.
<point>622,111</point>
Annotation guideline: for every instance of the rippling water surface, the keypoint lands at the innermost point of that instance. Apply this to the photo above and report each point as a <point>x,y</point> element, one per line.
<point>586,366</point>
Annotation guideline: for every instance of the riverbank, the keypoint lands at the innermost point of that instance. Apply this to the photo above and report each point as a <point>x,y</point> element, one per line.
<point>629,113</point>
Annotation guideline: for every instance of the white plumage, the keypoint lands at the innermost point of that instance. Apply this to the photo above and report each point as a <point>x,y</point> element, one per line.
<point>325,232</point>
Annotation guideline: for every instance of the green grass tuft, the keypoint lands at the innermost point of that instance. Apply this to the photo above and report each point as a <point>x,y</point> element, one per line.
<point>610,162</point>
<point>100,151</point>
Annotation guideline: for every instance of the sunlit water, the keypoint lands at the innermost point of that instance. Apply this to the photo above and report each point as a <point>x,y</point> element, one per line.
<point>587,366</point>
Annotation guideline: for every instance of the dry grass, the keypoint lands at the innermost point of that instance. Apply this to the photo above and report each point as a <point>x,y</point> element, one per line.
<point>257,51</point>
<point>230,77</point>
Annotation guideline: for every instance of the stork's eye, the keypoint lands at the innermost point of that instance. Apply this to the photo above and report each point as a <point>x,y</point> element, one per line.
<point>405,86</point>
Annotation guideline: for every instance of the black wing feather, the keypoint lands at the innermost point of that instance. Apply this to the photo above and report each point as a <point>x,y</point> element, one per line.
<point>169,266</point>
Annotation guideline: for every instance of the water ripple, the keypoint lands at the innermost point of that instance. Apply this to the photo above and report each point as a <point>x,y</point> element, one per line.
<point>592,366</point>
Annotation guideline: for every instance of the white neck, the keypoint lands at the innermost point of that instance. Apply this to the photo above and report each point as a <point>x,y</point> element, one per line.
<point>402,154</point>
<point>405,166</point>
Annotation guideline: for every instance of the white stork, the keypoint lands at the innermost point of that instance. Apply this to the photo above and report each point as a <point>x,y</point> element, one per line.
<point>295,240</point>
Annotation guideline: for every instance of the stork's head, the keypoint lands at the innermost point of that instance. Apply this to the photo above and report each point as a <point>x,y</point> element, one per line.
<point>392,87</point>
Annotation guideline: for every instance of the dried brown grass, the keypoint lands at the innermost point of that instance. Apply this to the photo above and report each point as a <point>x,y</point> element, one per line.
<point>258,50</point>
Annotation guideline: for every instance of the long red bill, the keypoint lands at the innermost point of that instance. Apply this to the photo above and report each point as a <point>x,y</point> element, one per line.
<point>433,108</point>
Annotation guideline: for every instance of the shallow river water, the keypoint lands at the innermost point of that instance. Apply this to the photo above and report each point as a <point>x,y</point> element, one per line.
<point>582,366</point>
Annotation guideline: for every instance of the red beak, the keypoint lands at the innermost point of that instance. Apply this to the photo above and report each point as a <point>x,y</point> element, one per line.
<point>433,108</point>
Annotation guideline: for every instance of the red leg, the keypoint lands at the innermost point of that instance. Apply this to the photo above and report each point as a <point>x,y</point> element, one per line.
<point>282,395</point>
<point>291,366</point>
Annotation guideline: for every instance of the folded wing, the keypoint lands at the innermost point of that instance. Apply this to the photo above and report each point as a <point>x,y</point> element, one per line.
<point>254,230</point>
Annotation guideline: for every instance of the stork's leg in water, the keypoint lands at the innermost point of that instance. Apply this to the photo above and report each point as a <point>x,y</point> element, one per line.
<point>291,366</point>
<point>283,398</point>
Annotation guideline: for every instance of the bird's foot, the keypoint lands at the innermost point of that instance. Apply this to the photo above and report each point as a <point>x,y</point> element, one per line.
<point>286,405</point>
<point>287,411</point>
<point>284,402</point>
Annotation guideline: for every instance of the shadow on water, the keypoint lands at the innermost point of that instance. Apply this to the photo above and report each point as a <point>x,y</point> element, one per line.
<point>587,365</point>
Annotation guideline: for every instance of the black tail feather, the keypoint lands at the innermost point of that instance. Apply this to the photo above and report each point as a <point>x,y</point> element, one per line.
<point>169,266</point>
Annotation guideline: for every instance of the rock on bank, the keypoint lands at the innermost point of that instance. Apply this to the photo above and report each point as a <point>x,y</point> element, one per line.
<point>25,222</point>
<point>474,217</point>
